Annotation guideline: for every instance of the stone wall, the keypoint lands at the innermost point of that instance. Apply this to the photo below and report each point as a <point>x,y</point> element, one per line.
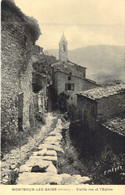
<point>28,104</point>
<point>16,70</point>
<point>87,110</point>
<point>110,138</point>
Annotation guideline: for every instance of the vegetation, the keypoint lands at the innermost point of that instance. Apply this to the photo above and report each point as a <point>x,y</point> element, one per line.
<point>30,23</point>
<point>18,139</point>
<point>32,27</point>
<point>105,167</point>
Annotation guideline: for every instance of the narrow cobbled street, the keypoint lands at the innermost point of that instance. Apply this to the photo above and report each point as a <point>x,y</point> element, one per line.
<point>37,161</point>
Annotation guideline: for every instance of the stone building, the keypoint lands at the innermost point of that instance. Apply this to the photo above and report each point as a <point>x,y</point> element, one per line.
<point>19,34</point>
<point>102,118</point>
<point>100,104</point>
<point>68,77</point>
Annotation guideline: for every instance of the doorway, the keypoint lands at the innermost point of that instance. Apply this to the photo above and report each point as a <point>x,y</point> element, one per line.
<point>20,111</point>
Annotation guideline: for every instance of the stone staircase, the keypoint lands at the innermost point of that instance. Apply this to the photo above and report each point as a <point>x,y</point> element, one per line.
<point>42,166</point>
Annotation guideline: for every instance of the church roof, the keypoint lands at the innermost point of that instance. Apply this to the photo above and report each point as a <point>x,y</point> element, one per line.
<point>76,64</point>
<point>101,92</point>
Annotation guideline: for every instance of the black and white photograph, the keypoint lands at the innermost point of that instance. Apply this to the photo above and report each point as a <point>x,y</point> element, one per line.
<point>63,93</point>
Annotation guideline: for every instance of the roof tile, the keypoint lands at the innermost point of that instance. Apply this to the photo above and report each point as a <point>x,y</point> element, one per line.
<point>100,92</point>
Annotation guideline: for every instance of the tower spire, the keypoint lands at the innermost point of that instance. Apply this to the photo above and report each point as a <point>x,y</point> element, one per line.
<point>63,50</point>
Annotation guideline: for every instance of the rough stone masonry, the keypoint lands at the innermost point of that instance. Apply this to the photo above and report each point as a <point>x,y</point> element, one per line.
<point>19,34</point>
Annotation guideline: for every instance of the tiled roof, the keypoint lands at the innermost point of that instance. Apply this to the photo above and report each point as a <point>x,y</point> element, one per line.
<point>101,92</point>
<point>116,125</point>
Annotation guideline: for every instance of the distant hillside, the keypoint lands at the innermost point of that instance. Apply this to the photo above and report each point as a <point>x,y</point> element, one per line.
<point>104,62</point>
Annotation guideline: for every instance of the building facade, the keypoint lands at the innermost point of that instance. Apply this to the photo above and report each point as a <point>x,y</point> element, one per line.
<point>18,34</point>
<point>68,77</point>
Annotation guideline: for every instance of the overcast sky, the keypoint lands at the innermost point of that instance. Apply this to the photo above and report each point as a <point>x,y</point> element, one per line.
<point>84,22</point>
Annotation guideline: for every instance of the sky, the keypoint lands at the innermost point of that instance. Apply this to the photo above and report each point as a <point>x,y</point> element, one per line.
<point>84,22</point>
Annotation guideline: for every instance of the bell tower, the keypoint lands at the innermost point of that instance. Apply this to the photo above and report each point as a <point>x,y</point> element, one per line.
<point>63,50</point>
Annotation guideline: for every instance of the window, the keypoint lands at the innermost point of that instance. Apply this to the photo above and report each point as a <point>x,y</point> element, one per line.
<point>63,48</point>
<point>69,86</point>
<point>69,77</point>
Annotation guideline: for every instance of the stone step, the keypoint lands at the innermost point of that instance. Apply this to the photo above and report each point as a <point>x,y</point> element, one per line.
<point>53,138</point>
<point>46,158</point>
<point>50,147</point>
<point>45,153</point>
<point>52,169</point>
<point>53,159</point>
<point>38,161</point>
<point>74,180</point>
<point>55,143</point>
<point>45,167</point>
<point>40,153</point>
<point>51,153</point>
<point>54,133</point>
<point>25,168</point>
<point>38,179</point>
<point>51,178</point>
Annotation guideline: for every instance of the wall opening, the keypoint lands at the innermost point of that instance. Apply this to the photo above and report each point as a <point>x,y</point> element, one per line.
<point>69,77</point>
<point>63,47</point>
<point>20,111</point>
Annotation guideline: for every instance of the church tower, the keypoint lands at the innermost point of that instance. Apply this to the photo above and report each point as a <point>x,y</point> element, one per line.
<point>63,50</point>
